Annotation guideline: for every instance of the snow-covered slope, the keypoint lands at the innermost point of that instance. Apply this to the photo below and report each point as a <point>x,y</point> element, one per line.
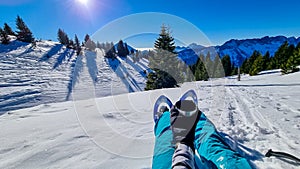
<point>255,114</point>
<point>30,74</point>
<point>50,72</point>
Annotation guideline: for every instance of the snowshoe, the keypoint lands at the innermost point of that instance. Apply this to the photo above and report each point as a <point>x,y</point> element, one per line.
<point>161,105</point>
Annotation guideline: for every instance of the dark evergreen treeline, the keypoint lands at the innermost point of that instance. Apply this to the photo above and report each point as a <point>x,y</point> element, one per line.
<point>208,67</point>
<point>286,58</point>
<point>109,48</point>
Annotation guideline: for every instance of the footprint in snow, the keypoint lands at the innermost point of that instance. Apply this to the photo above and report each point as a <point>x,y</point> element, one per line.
<point>285,119</point>
<point>26,116</point>
<point>262,106</point>
<point>108,115</point>
<point>297,116</point>
<point>81,136</point>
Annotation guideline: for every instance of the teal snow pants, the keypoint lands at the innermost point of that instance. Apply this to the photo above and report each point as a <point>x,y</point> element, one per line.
<point>211,149</point>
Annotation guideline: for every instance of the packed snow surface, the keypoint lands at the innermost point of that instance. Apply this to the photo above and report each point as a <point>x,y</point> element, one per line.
<point>102,119</point>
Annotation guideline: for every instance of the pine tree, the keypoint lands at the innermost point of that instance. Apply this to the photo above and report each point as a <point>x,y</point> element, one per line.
<point>112,48</point>
<point>266,61</point>
<point>244,66</point>
<point>200,70</point>
<point>126,49</point>
<point>280,56</point>
<point>226,62</point>
<point>23,33</point>
<point>247,64</point>
<point>89,43</point>
<point>291,65</point>
<point>86,38</point>
<point>7,29</point>
<point>218,70</point>
<point>164,63</point>
<point>122,52</point>
<point>298,46</point>
<point>209,65</point>
<point>98,45</point>
<point>257,66</point>
<point>4,37</point>
<point>77,45</point>
<point>71,44</point>
<point>165,41</point>
<point>234,70</point>
<point>62,37</point>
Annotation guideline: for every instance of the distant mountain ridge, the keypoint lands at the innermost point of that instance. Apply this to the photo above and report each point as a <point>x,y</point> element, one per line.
<point>239,50</point>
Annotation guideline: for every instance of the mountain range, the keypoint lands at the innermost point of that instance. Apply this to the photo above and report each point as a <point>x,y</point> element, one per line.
<point>238,50</point>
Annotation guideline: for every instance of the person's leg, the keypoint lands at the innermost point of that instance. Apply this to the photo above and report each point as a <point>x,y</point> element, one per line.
<point>211,147</point>
<point>163,148</point>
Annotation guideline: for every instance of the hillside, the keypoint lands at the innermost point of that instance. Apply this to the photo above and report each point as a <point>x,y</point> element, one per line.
<point>50,72</point>
<point>255,114</point>
<point>60,110</point>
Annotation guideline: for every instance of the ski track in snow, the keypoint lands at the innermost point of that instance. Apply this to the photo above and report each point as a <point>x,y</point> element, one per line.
<point>116,131</point>
<point>255,116</point>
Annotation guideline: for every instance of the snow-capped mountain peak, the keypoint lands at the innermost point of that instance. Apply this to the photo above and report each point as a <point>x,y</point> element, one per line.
<point>239,50</point>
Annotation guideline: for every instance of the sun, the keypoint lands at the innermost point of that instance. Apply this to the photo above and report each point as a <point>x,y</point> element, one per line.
<point>84,2</point>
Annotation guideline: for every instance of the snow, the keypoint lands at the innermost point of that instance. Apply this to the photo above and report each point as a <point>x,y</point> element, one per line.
<point>103,124</point>
<point>50,73</point>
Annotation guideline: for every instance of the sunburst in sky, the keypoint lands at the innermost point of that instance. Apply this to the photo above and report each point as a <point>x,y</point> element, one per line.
<point>220,20</point>
<point>84,2</point>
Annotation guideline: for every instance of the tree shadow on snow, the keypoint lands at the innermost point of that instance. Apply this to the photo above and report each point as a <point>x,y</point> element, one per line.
<point>92,66</point>
<point>67,54</point>
<point>14,45</point>
<point>28,50</point>
<point>77,67</point>
<point>248,153</point>
<point>116,66</point>
<point>138,68</point>
<point>54,50</point>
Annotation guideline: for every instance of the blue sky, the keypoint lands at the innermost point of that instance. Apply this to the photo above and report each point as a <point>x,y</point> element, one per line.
<point>219,20</point>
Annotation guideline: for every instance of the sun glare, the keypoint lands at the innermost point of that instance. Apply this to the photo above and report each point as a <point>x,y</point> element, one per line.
<point>84,2</point>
